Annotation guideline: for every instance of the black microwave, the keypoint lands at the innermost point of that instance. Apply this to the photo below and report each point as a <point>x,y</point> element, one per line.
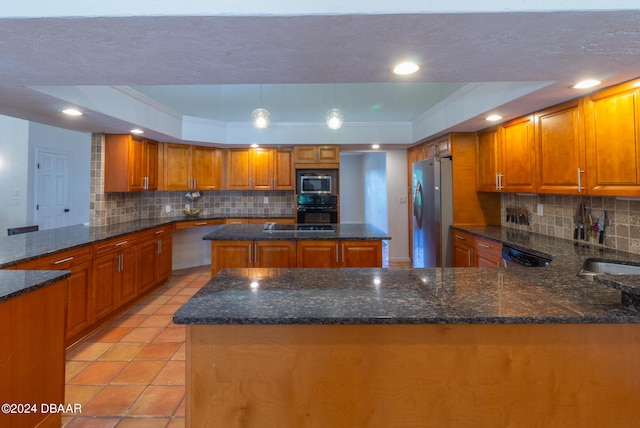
<point>315,184</point>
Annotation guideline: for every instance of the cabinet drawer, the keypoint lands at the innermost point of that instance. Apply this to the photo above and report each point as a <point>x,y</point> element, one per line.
<point>198,223</point>
<point>488,247</point>
<point>60,261</point>
<point>459,236</point>
<point>116,244</point>
<point>159,232</point>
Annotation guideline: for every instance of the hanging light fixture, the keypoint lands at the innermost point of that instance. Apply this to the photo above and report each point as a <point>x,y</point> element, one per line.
<point>260,116</point>
<point>334,115</point>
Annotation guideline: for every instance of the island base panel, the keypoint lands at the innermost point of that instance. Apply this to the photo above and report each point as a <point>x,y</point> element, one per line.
<point>458,375</point>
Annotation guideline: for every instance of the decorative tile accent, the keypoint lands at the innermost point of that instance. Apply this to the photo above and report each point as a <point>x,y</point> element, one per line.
<point>558,211</point>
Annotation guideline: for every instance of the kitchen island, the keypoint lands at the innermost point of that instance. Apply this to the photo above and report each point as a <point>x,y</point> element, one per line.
<point>296,245</point>
<point>426,347</point>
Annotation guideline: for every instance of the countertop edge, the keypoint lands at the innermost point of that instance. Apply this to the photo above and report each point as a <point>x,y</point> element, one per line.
<point>51,277</point>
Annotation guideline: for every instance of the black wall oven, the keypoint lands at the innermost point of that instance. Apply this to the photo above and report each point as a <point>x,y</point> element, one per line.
<point>317,209</point>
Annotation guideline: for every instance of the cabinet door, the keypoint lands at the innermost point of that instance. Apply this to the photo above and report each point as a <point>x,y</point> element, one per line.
<point>177,167</point>
<point>262,169</point>
<point>206,167</point>
<point>561,154</point>
<point>304,154</point>
<point>518,156</point>
<point>137,164</point>
<point>165,258</point>
<point>613,142</point>
<point>463,253</point>
<point>328,154</point>
<point>238,169</point>
<point>106,272</point>
<point>357,254</point>
<point>148,264</point>
<point>231,254</point>
<point>151,148</point>
<point>275,254</point>
<point>283,169</point>
<point>79,299</point>
<point>488,253</point>
<point>127,285</point>
<point>318,254</point>
<point>487,161</point>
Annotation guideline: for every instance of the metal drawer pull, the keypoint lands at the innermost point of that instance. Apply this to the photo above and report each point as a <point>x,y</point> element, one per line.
<point>460,237</point>
<point>159,232</point>
<point>68,259</point>
<point>484,245</point>
<point>119,244</point>
<point>201,223</point>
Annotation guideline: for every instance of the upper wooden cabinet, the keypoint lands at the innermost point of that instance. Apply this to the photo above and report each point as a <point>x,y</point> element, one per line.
<point>613,141</point>
<point>561,149</point>
<point>191,167</point>
<point>130,164</point>
<point>506,158</point>
<point>259,169</point>
<point>318,155</point>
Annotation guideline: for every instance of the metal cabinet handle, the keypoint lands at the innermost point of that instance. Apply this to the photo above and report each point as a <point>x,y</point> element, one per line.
<point>68,259</point>
<point>145,183</point>
<point>468,258</point>
<point>480,244</point>
<point>255,245</point>
<point>158,232</point>
<point>337,251</point>
<point>201,223</point>
<point>120,267</point>
<point>159,249</point>
<point>119,244</point>
<point>460,237</point>
<point>343,252</point>
<point>580,172</point>
<point>250,254</point>
<point>497,181</point>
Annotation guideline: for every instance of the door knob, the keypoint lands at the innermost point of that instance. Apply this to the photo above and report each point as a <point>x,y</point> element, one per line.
<point>66,210</point>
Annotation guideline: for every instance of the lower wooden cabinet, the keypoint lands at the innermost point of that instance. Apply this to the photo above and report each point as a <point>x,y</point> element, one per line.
<point>115,279</point>
<point>154,257</point>
<point>291,254</point>
<point>488,253</point>
<point>463,251</point>
<point>472,251</point>
<point>32,356</point>
<point>247,254</point>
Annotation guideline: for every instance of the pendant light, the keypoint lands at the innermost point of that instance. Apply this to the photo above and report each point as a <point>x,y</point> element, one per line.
<point>260,116</point>
<point>334,116</point>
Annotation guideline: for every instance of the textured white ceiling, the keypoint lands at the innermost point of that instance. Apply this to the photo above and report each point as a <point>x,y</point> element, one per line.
<point>300,58</point>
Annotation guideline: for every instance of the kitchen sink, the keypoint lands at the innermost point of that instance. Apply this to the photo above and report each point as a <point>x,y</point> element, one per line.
<point>592,267</point>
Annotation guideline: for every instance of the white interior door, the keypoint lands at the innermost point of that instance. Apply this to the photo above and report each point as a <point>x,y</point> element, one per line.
<point>52,193</point>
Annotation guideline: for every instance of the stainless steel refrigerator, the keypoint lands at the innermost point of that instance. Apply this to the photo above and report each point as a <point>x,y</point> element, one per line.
<point>432,212</point>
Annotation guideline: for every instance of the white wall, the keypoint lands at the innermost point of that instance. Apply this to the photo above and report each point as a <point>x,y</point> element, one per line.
<point>78,146</point>
<point>375,190</point>
<point>397,207</point>
<point>14,151</point>
<point>351,188</point>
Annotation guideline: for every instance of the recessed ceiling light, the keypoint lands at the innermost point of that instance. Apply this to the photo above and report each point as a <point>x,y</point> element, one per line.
<point>586,84</point>
<point>255,146</point>
<point>405,68</point>
<point>493,117</point>
<point>375,146</point>
<point>72,112</point>
<point>137,131</point>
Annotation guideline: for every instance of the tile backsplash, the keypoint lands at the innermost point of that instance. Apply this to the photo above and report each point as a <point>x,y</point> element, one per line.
<point>557,217</point>
<point>112,208</point>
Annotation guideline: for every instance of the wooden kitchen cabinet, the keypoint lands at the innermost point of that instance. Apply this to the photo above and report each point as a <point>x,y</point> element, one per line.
<point>192,167</point>
<point>249,254</point>
<point>488,161</point>
<point>488,253</point>
<point>561,149</point>
<point>79,298</point>
<point>115,275</point>
<point>318,254</point>
<point>259,169</point>
<point>360,253</point>
<point>130,163</point>
<point>316,155</point>
<point>463,249</point>
<point>518,157</point>
<point>613,141</point>
<point>155,257</point>
<point>32,356</point>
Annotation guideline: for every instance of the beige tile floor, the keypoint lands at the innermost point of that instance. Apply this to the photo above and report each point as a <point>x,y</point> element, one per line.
<point>131,373</point>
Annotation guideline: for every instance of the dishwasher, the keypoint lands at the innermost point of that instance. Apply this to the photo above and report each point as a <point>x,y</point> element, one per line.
<point>512,257</point>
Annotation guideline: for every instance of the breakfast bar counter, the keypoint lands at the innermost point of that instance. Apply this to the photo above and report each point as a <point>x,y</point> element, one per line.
<point>400,347</point>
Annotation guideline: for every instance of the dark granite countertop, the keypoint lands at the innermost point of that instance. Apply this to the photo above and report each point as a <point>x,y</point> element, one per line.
<point>14,283</point>
<point>399,296</point>
<point>251,232</point>
<point>29,246</point>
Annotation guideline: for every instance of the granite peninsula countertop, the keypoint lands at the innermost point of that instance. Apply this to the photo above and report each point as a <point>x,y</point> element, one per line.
<point>14,283</point>
<point>254,232</point>
<point>30,246</point>
<point>398,296</point>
